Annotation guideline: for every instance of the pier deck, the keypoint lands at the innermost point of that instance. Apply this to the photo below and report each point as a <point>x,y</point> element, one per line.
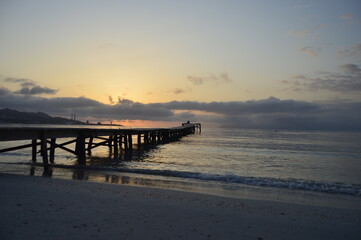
<point>115,139</point>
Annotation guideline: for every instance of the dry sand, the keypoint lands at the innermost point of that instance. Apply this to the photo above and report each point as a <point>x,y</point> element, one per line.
<point>43,208</point>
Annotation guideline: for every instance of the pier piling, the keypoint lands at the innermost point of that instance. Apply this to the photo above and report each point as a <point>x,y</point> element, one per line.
<point>115,139</point>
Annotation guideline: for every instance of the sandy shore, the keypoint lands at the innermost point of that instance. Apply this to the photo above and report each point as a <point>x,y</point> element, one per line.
<point>43,208</point>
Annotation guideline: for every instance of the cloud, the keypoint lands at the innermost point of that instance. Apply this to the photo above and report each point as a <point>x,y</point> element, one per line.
<point>353,51</point>
<point>347,16</point>
<point>196,80</point>
<point>24,82</point>
<point>36,90</point>
<point>221,78</point>
<point>346,82</point>
<point>351,68</point>
<point>29,87</point>
<point>110,99</point>
<point>331,116</point>
<point>310,51</point>
<point>178,90</point>
<point>299,76</point>
<point>270,105</point>
<point>298,33</point>
<point>271,113</point>
<point>4,91</point>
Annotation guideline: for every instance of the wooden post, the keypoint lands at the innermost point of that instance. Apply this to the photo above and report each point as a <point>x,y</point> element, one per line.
<point>126,142</point>
<point>90,144</point>
<point>110,143</point>
<point>151,138</point>
<point>34,143</point>
<point>130,139</point>
<point>158,138</point>
<point>171,136</point>
<point>166,136</point>
<point>115,143</point>
<point>52,149</point>
<point>44,150</point>
<point>154,138</point>
<point>120,141</point>
<point>139,140</point>
<point>80,148</point>
<point>146,140</point>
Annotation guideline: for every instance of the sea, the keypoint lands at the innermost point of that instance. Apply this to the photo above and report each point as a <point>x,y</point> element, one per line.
<point>260,163</point>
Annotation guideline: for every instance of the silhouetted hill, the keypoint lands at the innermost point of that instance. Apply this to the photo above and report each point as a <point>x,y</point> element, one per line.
<point>12,116</point>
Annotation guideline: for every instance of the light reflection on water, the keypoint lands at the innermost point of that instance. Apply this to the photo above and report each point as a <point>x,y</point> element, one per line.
<point>213,188</point>
<point>266,154</point>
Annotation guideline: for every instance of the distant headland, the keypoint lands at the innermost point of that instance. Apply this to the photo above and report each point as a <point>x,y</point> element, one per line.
<point>13,116</point>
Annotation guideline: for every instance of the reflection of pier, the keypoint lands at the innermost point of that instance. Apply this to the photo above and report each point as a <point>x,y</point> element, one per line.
<point>115,139</point>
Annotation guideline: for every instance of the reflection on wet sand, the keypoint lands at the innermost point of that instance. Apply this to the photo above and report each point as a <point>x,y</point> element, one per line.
<point>88,170</point>
<point>47,171</point>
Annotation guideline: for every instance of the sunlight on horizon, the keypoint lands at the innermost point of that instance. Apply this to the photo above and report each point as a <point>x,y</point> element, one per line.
<point>240,59</point>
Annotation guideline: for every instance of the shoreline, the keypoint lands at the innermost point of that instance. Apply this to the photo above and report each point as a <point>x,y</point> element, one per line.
<point>221,189</point>
<point>48,208</point>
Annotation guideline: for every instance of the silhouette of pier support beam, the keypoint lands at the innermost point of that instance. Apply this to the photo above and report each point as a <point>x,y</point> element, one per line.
<point>146,139</point>
<point>80,148</point>
<point>159,137</point>
<point>120,142</point>
<point>90,144</point>
<point>125,142</point>
<point>110,141</point>
<point>44,150</point>
<point>115,146</point>
<point>139,140</point>
<point>52,150</point>
<point>153,138</point>
<point>130,139</point>
<point>33,147</point>
<point>113,138</point>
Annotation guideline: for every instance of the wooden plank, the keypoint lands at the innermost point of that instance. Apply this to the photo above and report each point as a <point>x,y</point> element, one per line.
<point>102,138</point>
<point>16,148</point>
<point>115,140</point>
<point>61,146</point>
<point>24,133</point>
<point>104,143</point>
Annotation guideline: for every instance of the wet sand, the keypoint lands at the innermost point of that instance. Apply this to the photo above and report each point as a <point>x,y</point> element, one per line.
<point>44,208</point>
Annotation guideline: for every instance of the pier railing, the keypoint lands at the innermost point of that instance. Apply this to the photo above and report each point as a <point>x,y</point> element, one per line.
<point>115,139</point>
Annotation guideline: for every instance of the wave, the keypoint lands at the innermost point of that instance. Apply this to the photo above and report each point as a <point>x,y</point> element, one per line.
<point>293,184</point>
<point>290,183</point>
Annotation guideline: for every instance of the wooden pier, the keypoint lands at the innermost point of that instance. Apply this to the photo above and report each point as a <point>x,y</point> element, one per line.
<point>115,139</point>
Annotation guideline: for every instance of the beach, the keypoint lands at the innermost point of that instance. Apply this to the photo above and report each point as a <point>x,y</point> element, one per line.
<point>47,208</point>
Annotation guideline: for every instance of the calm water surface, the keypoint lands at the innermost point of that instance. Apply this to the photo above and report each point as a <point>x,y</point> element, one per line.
<point>298,160</point>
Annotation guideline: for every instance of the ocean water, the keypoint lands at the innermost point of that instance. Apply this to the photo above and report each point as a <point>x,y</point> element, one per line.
<point>313,161</point>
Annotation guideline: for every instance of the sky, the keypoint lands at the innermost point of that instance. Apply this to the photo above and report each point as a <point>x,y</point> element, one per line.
<point>283,64</point>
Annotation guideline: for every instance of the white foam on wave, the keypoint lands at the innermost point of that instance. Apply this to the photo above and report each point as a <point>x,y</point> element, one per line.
<point>294,184</point>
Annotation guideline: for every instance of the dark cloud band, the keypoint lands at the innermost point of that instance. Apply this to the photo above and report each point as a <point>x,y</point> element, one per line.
<point>267,113</point>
